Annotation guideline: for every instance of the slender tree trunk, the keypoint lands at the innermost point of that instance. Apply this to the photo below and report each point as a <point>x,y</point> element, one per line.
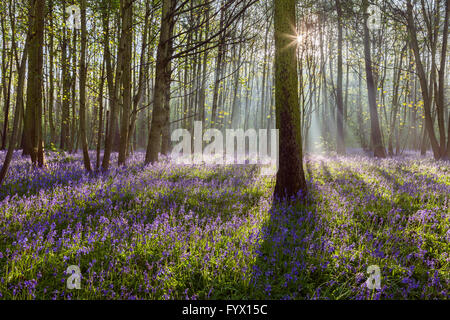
<point>127,35</point>
<point>323,68</point>
<point>7,83</point>
<point>73,126</point>
<point>427,98</point>
<point>395,102</point>
<point>65,134</point>
<point>18,110</point>
<point>143,72</point>
<point>440,101</point>
<point>202,95</point>
<point>264,76</point>
<point>361,127</point>
<point>114,84</point>
<point>249,88</point>
<point>339,96</point>
<point>219,66</point>
<point>51,93</point>
<point>424,141</point>
<point>100,115</point>
<point>377,143</point>
<point>83,71</point>
<point>347,74</point>
<point>236,110</point>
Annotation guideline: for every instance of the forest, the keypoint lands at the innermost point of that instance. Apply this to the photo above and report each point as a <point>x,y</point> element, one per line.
<point>224,149</point>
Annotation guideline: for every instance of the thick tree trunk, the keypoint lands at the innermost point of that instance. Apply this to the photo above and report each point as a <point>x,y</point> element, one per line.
<point>159,116</point>
<point>33,115</point>
<point>290,176</point>
<point>377,143</point>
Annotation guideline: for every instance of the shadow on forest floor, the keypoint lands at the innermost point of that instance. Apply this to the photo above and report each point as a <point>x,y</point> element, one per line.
<point>321,249</point>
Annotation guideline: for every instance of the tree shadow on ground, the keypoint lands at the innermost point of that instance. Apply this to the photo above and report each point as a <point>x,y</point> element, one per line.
<point>322,248</point>
<point>284,267</point>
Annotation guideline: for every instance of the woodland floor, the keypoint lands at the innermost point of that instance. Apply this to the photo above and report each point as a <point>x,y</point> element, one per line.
<point>183,232</point>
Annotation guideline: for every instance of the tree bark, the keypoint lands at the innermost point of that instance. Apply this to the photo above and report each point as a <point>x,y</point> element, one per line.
<point>33,115</point>
<point>440,101</point>
<point>114,83</point>
<point>83,71</point>
<point>18,111</point>
<point>51,93</point>
<point>340,142</point>
<point>426,92</point>
<point>290,176</point>
<point>127,35</point>
<point>159,115</point>
<point>65,134</point>
<point>377,143</point>
<point>100,115</point>
<point>143,74</point>
<point>219,67</point>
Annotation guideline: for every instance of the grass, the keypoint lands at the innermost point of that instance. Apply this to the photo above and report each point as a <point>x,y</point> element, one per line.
<point>182,232</point>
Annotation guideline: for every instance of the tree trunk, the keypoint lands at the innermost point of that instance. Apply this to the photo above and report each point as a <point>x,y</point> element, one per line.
<point>339,97</point>
<point>159,116</point>
<point>395,101</point>
<point>236,106</point>
<point>51,93</point>
<point>218,71</point>
<point>73,127</point>
<point>127,35</point>
<point>100,115</point>
<point>440,101</point>
<point>64,141</point>
<point>143,74</point>
<point>202,95</point>
<point>83,71</point>
<point>18,111</point>
<point>290,176</point>
<point>426,93</point>
<point>165,134</point>
<point>377,143</point>
<point>33,115</point>
<point>114,83</point>
<point>7,83</point>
